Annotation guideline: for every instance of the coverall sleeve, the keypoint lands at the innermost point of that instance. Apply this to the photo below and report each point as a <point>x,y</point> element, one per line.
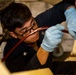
<point>53,15</point>
<point>35,64</point>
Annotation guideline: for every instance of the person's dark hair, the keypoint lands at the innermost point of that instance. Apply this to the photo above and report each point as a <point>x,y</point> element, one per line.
<point>15,15</point>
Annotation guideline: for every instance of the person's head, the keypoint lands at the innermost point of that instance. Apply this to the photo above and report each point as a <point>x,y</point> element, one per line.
<point>17,18</point>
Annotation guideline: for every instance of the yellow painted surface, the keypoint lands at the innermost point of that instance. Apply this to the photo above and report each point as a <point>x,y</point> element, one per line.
<point>72,56</point>
<point>45,71</point>
<point>74,49</point>
<point>3,69</point>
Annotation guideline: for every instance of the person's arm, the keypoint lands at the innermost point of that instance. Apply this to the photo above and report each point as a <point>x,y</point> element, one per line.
<point>53,15</point>
<point>42,55</point>
<point>39,60</point>
<point>52,38</point>
<point>70,15</point>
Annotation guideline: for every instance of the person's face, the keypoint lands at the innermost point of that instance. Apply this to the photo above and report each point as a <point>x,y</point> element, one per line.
<point>26,29</point>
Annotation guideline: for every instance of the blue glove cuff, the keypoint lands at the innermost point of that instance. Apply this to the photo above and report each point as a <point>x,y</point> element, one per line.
<point>46,48</point>
<point>69,11</point>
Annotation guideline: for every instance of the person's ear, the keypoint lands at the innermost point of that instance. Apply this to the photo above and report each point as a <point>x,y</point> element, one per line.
<point>13,34</point>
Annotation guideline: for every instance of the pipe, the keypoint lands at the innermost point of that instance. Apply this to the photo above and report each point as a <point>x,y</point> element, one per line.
<point>24,37</point>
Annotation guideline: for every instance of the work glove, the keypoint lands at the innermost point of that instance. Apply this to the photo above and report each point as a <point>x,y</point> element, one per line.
<point>52,37</point>
<point>70,15</point>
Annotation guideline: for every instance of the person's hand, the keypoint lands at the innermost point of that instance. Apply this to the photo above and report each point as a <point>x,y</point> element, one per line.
<point>52,38</point>
<point>70,15</point>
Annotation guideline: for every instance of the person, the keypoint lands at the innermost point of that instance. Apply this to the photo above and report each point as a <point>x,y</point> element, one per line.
<point>33,53</point>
